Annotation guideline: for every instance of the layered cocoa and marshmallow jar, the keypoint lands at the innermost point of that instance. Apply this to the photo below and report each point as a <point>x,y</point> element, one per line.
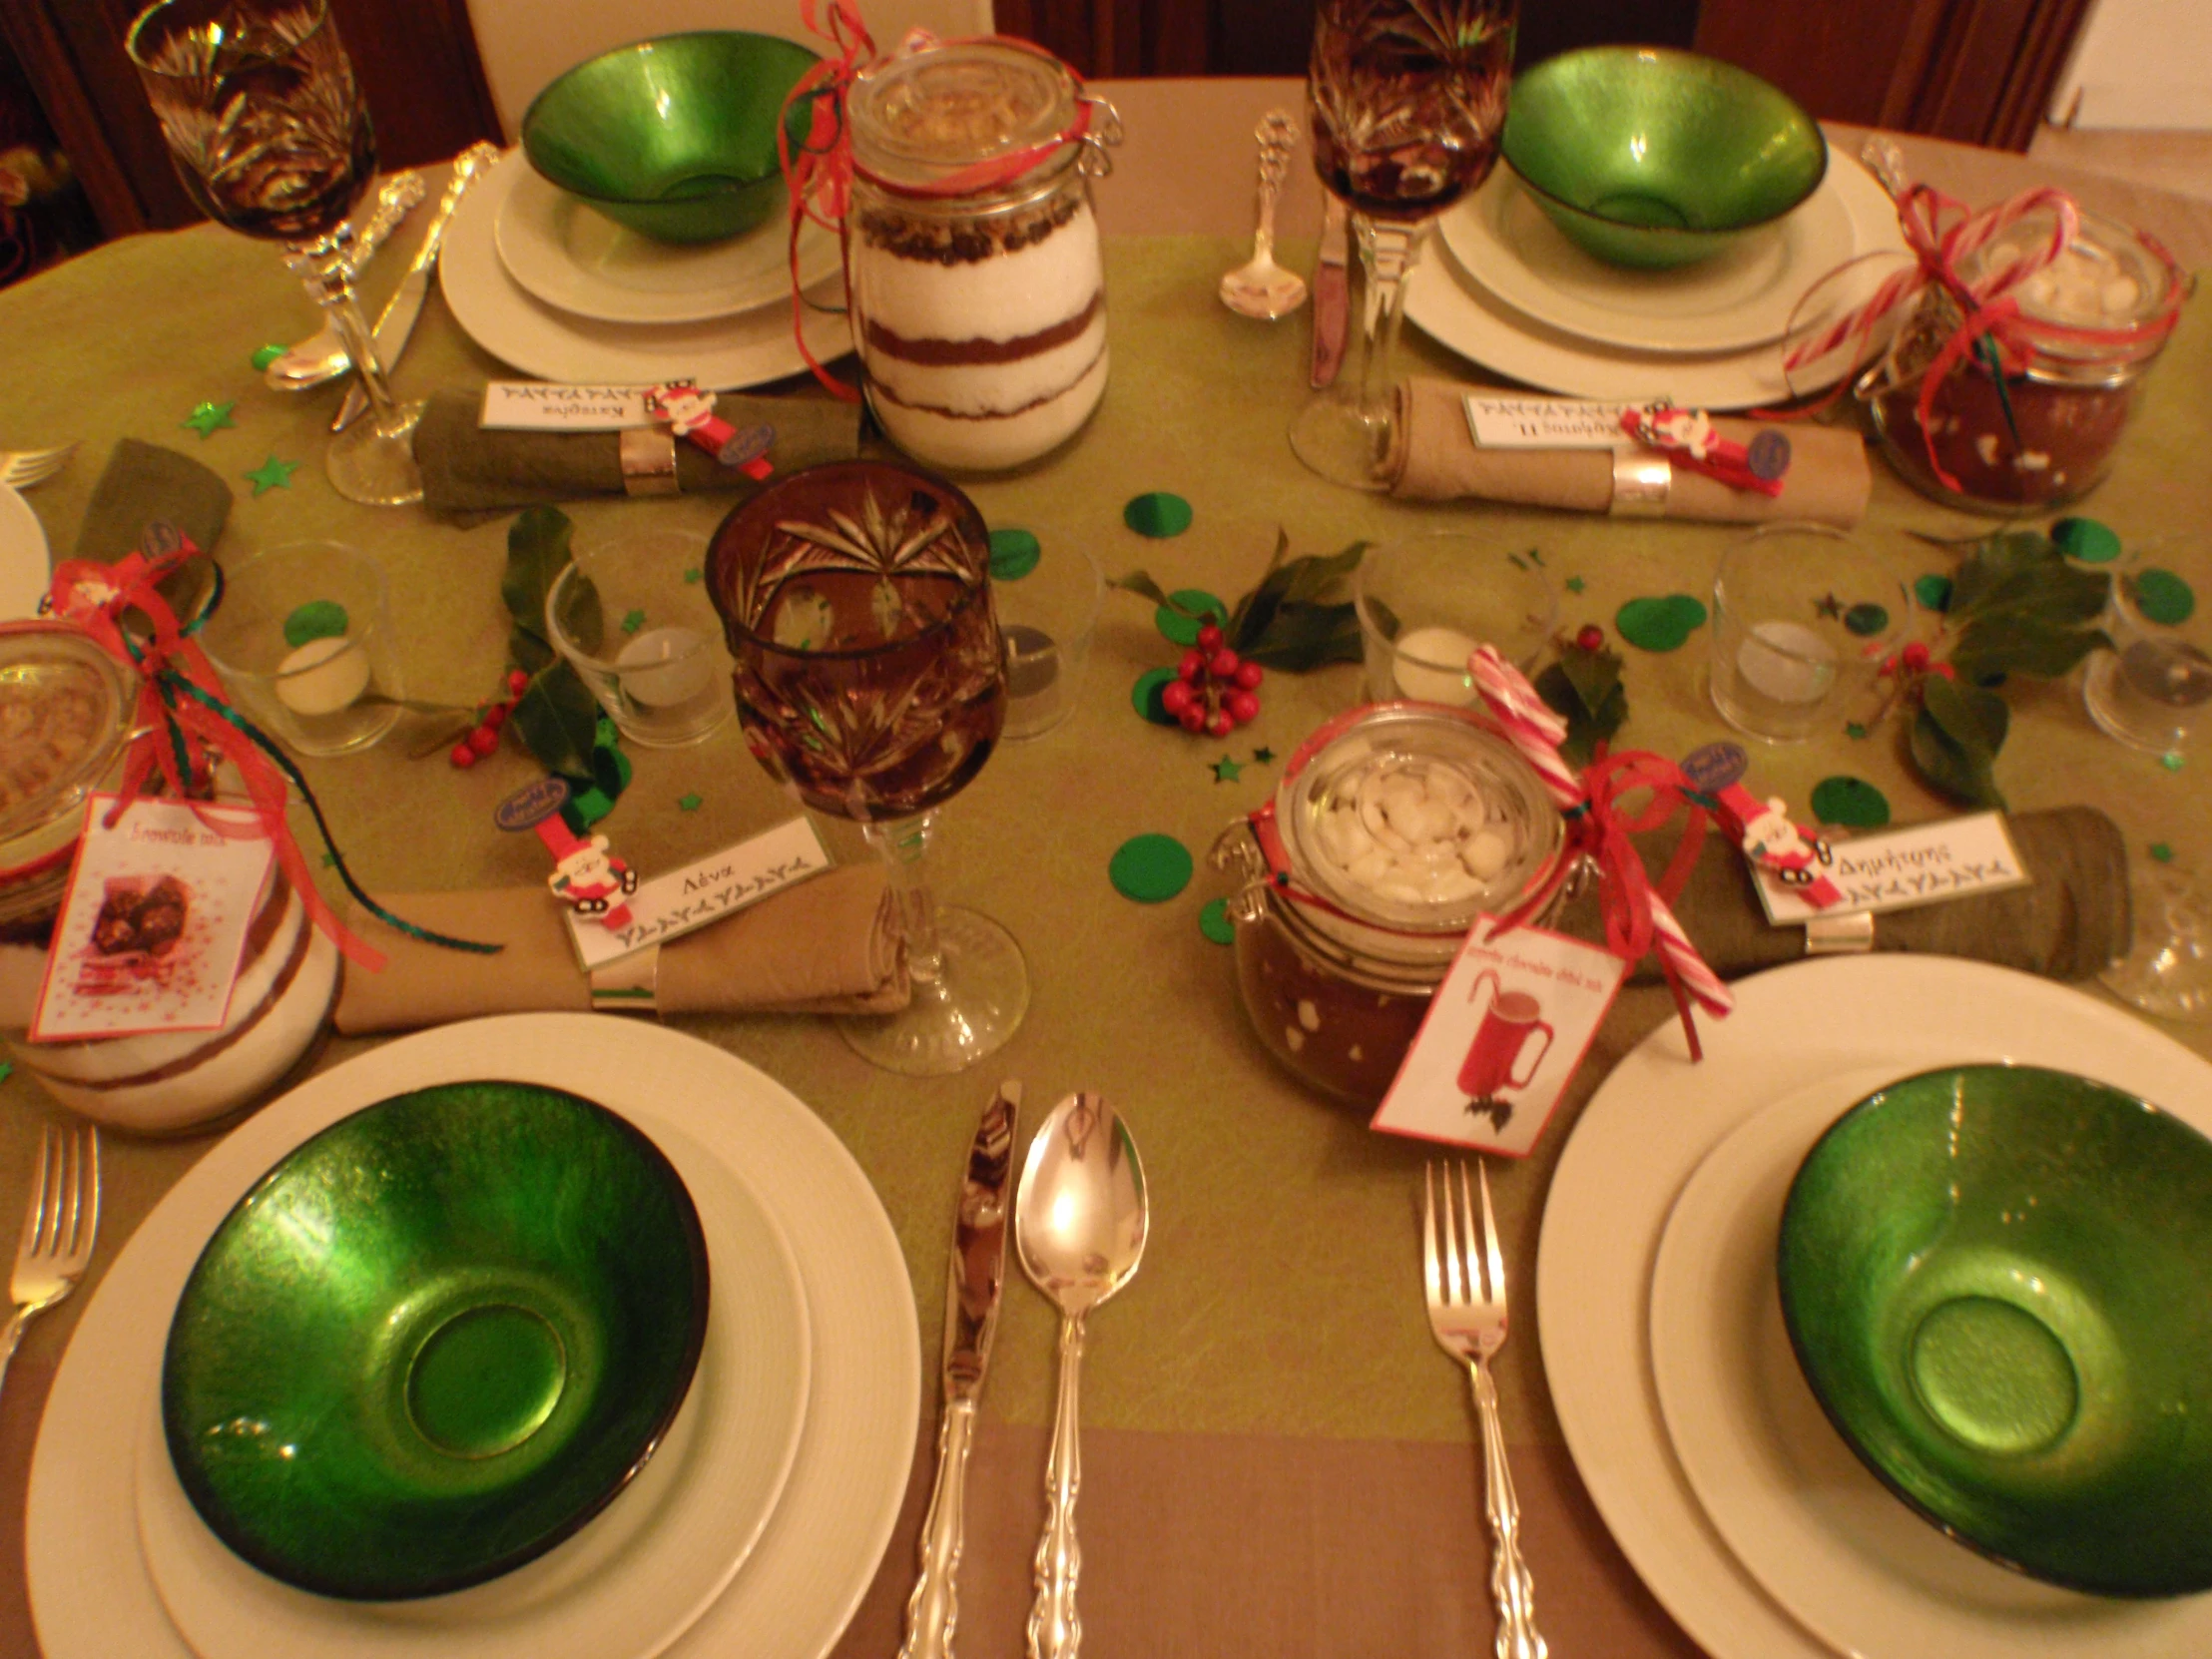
<point>973,255</point>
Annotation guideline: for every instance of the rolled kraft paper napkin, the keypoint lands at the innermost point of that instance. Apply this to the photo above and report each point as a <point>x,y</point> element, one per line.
<point>467,469</point>
<point>2070,923</point>
<point>1436,458</point>
<point>143,483</point>
<point>828,945</point>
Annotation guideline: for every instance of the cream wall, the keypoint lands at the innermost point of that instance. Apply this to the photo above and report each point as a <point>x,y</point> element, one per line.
<point>2141,64</point>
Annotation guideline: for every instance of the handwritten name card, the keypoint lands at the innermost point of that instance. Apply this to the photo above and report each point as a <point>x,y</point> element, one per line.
<point>1896,870</point>
<point>718,886</point>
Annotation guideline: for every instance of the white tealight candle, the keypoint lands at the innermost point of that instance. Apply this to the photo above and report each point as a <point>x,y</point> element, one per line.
<point>1787,662</point>
<point>322,676</point>
<point>665,666</point>
<point>1418,664</point>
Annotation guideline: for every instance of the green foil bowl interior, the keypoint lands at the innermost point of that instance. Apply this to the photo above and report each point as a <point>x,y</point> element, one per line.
<point>1653,158</point>
<point>674,137</point>
<point>1998,1282</point>
<point>434,1341</point>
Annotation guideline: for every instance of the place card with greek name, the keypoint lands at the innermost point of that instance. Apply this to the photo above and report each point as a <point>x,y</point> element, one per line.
<point>718,886</point>
<point>1901,869</point>
<point>153,929</point>
<point>540,406</point>
<point>1547,423</point>
<point>1505,1033</point>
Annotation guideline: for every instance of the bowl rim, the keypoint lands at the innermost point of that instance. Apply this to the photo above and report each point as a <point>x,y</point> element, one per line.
<point>686,1371</point>
<point>1664,233</point>
<point>1950,1529</point>
<point>728,187</point>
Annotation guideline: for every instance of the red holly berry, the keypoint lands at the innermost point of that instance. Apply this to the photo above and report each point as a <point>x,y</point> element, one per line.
<point>1192,665</point>
<point>1944,669</point>
<point>462,755</point>
<point>1209,637</point>
<point>517,681</point>
<point>1222,664</point>
<point>1176,696</point>
<point>1190,717</point>
<point>1914,657</point>
<point>1249,676</point>
<point>1221,724</point>
<point>1243,706</point>
<point>483,740</point>
<point>1590,636</point>
<point>496,716</point>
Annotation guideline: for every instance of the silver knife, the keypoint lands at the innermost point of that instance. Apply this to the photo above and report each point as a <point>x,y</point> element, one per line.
<point>400,311</point>
<point>973,1283</point>
<point>1332,294</point>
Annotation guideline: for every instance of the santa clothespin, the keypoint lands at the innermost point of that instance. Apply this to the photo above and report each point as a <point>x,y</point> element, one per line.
<point>690,414</point>
<point>1686,437</point>
<point>587,876</point>
<point>1770,841</point>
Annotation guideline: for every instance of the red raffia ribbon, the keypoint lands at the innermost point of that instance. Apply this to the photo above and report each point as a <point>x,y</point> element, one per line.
<point>1942,235</point>
<point>1639,913</point>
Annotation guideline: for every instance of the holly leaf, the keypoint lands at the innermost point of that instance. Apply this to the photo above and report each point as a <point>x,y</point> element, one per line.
<point>1315,582</point>
<point>1141,584</point>
<point>558,720</point>
<point>537,552</point>
<point>1956,737</point>
<point>2020,644</point>
<point>1584,689</point>
<point>1302,636</point>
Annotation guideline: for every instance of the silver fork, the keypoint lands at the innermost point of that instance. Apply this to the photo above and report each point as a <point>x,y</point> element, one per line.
<point>1466,1312</point>
<point>21,468</point>
<point>58,1230</point>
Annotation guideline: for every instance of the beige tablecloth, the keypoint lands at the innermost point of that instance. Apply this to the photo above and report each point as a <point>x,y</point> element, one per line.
<point>1276,1459</point>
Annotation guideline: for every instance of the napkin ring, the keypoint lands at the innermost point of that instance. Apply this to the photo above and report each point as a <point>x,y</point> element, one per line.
<point>629,984</point>
<point>649,461</point>
<point>1851,936</point>
<point>1641,484</point>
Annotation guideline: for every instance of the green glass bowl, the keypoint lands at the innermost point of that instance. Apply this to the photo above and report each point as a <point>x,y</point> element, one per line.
<point>676,137</point>
<point>1654,158</point>
<point>1998,1282</point>
<point>434,1341</point>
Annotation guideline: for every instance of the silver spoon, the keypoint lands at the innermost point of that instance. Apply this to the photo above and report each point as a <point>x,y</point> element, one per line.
<point>1079,1227</point>
<point>1263,287</point>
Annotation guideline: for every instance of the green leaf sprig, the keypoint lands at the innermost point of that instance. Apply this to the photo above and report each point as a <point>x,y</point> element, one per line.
<point>557,718</point>
<point>1299,617</point>
<point>1584,689</point>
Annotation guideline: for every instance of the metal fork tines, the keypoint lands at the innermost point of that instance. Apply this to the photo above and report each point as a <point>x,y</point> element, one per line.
<point>1466,1312</point>
<point>21,468</point>
<point>58,1227</point>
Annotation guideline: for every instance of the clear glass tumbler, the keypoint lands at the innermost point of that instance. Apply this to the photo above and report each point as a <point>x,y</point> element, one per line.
<point>1802,616</point>
<point>304,644</point>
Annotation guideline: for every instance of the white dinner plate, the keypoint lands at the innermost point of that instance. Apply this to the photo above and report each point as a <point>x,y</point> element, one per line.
<point>24,572</point>
<point>90,1591</point>
<point>507,321</point>
<point>1745,295</point>
<point>570,255</point>
<point>1796,1506</point>
<point>1459,312</point>
<point>1646,1130</point>
<point>629,1582</point>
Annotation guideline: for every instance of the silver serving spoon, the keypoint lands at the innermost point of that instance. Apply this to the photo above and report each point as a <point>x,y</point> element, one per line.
<point>1263,287</point>
<point>1079,1228</point>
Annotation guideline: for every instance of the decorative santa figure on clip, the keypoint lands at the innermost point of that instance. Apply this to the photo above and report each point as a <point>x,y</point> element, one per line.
<point>586,874</point>
<point>1769,840</point>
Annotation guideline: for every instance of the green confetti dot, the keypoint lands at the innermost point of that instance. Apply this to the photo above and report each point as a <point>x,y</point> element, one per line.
<point>319,619</point>
<point>2162,853</point>
<point>695,575</point>
<point>690,803</point>
<point>1226,770</point>
<point>2088,540</point>
<point>1850,802</point>
<point>2163,597</point>
<point>1214,921</point>
<point>633,621</point>
<point>586,806</point>
<point>1144,695</point>
<point>1014,554</point>
<point>2171,759</point>
<point>1866,619</point>
<point>1575,584</point>
<point>329,861</point>
<point>7,1067</point>
<point>1150,869</point>
<point>1659,624</point>
<point>1183,629</point>
<point>1933,592</point>
<point>265,355</point>
<point>1157,513</point>
<point>1854,729</point>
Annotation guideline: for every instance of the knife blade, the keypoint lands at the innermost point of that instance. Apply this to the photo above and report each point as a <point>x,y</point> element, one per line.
<point>1332,295</point>
<point>396,324</point>
<point>973,1280</point>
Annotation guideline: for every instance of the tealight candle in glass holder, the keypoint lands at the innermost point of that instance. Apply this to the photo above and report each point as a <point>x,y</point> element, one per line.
<point>1802,616</point>
<point>1425,602</point>
<point>304,648</point>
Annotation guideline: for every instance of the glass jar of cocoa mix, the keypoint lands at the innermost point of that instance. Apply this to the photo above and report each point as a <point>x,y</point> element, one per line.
<point>1395,827</point>
<point>2032,417</point>
<point>972,251</point>
<point>66,707</point>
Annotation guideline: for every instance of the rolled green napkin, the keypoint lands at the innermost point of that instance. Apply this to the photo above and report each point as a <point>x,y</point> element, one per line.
<point>142,484</point>
<point>467,469</point>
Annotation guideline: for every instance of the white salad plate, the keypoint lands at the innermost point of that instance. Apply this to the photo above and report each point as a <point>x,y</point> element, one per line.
<point>572,256</point>
<point>631,1579</point>
<point>1634,1149</point>
<point>1796,1506</point>
<point>24,572</point>
<point>92,1593</point>
<point>514,326</point>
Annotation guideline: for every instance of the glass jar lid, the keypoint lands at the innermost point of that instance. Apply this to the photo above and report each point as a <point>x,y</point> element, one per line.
<point>920,117</point>
<point>65,708</point>
<point>2107,280</point>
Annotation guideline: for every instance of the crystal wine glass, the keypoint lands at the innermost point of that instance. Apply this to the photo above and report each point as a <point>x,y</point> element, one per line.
<point>872,680</point>
<point>1406,102</point>
<point>263,116</point>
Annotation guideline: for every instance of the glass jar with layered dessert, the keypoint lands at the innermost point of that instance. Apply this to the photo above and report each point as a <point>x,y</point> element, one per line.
<point>1395,827</point>
<point>2032,414</point>
<point>65,708</point>
<point>979,302</point>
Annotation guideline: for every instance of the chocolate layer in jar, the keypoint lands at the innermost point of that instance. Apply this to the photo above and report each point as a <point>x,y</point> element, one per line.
<point>1396,827</point>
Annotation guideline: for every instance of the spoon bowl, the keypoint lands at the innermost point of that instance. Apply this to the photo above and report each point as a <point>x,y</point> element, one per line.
<point>1263,289</point>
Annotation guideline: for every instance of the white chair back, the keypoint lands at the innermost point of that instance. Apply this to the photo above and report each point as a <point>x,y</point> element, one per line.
<point>525,44</point>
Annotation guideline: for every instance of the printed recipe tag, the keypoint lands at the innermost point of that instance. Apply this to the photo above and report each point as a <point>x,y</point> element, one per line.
<point>1506,1031</point>
<point>154,925</point>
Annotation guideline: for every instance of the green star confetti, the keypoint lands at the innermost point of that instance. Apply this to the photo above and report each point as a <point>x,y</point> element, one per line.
<point>1014,554</point>
<point>329,861</point>
<point>271,474</point>
<point>1214,922</point>
<point>1659,625</point>
<point>695,575</point>
<point>210,418</point>
<point>1226,770</point>
<point>7,1068</point>
<point>1158,514</point>
<point>2162,853</point>
<point>264,355</point>
<point>2171,759</point>
<point>690,803</point>
<point>1854,729</point>
<point>1263,756</point>
<point>1828,605</point>
<point>632,621</point>
<point>1575,584</point>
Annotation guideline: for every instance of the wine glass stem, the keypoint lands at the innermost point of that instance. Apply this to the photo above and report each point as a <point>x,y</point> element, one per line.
<point>1388,251</point>
<point>328,269</point>
<point>904,845</point>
